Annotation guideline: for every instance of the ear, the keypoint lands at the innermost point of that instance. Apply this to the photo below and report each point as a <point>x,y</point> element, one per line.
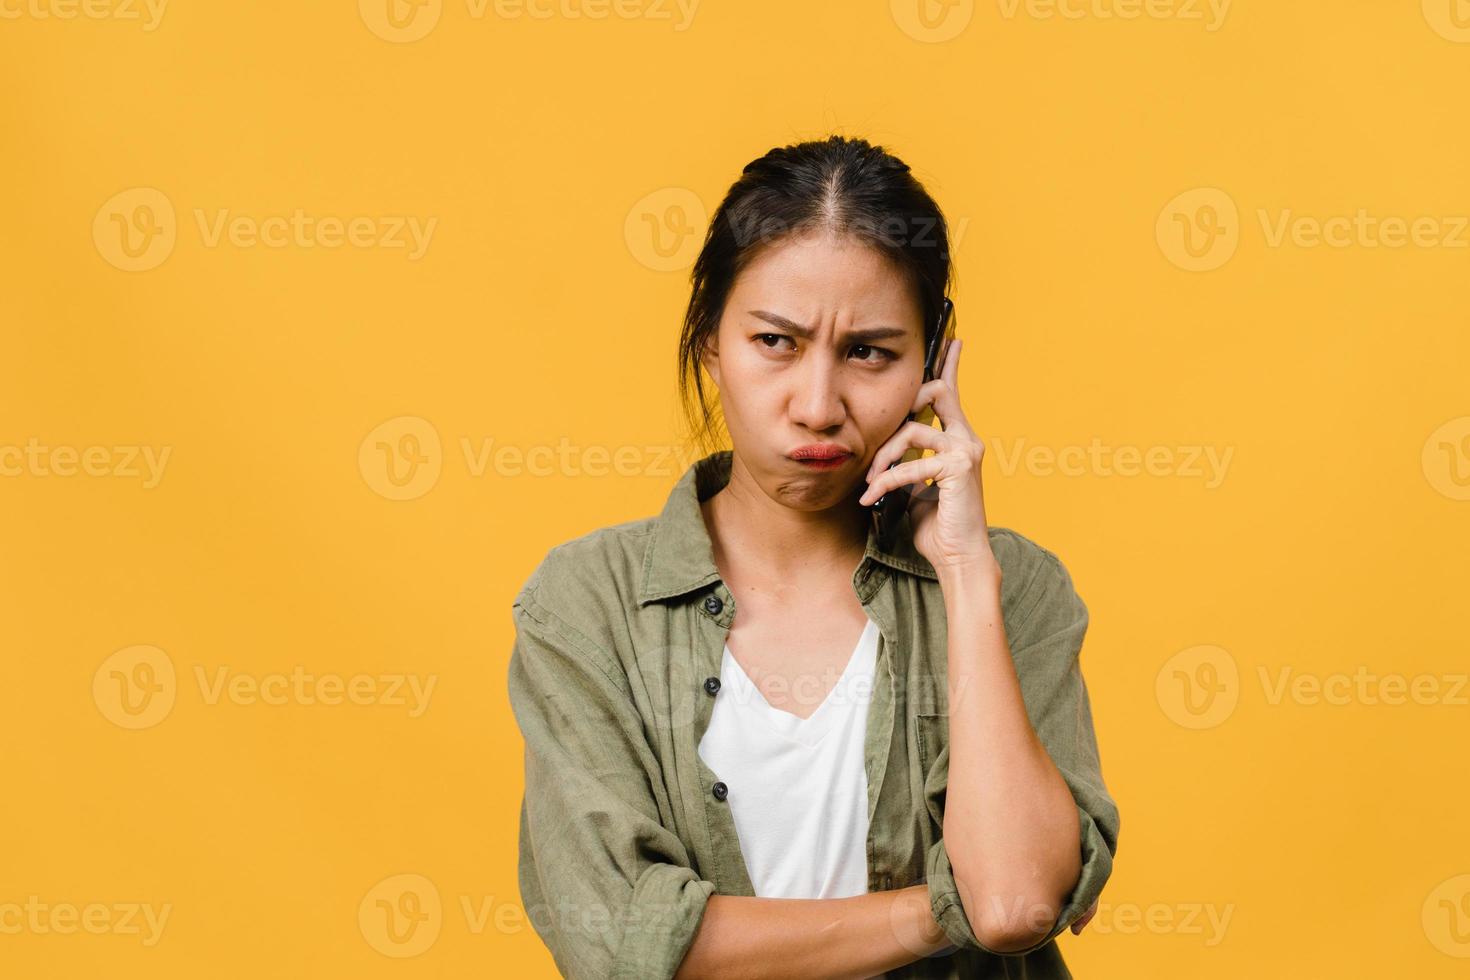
<point>710,356</point>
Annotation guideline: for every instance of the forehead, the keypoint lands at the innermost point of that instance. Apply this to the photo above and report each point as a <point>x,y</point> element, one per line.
<point>816,275</point>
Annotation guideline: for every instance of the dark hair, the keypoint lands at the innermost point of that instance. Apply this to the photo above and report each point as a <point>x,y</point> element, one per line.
<point>837,185</point>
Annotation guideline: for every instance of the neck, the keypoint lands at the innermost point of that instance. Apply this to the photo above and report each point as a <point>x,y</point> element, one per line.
<point>779,541</point>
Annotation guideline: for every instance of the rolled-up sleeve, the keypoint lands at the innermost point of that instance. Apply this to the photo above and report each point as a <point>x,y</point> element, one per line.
<point>609,889</point>
<point>1047,654</point>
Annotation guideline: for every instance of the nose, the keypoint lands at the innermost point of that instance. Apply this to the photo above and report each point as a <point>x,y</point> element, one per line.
<point>818,402</point>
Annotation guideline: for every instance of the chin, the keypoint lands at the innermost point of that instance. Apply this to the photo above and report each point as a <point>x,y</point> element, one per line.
<point>813,491</point>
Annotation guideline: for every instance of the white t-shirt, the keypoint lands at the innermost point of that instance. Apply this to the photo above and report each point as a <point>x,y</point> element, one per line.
<point>798,787</point>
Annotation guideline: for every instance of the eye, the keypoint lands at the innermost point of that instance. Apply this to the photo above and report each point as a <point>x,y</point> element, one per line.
<point>881,354</point>
<point>778,336</point>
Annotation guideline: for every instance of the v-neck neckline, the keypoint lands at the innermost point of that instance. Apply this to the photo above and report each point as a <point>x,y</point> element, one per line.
<point>808,730</point>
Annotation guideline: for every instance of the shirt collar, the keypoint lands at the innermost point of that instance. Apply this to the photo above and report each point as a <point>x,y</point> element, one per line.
<point>680,557</point>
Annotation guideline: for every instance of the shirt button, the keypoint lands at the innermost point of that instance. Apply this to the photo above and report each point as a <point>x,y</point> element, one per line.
<point>721,791</point>
<point>711,685</point>
<point>713,605</point>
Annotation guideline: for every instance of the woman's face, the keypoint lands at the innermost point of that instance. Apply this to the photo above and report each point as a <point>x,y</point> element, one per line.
<point>820,345</point>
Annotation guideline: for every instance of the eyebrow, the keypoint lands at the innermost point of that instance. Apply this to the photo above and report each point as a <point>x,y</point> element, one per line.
<point>791,326</point>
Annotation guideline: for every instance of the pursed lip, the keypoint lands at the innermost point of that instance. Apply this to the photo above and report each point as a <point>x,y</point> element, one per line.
<point>820,452</point>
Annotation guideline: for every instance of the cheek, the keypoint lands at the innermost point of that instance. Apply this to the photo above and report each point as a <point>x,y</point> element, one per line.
<point>892,403</point>
<point>745,389</point>
<point>883,411</point>
<point>755,376</point>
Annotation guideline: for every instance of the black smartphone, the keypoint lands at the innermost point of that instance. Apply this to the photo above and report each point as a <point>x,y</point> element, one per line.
<point>889,509</point>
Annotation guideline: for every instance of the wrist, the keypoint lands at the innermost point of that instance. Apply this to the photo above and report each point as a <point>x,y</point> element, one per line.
<point>982,572</point>
<point>923,935</point>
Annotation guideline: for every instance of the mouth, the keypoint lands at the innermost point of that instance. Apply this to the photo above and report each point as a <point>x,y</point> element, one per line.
<point>821,457</point>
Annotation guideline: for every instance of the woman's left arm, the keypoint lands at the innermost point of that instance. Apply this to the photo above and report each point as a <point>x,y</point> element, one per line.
<point>1012,826</point>
<point>1029,829</point>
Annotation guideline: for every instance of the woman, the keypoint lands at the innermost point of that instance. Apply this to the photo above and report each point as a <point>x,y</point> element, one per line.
<point>703,798</point>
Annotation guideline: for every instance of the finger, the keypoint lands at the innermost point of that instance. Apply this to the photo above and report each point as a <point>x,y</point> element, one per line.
<point>945,400</point>
<point>908,436</point>
<point>951,370</point>
<point>914,471</point>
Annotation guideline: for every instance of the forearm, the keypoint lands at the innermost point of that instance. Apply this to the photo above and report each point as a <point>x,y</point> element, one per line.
<point>812,939</point>
<point>1010,822</point>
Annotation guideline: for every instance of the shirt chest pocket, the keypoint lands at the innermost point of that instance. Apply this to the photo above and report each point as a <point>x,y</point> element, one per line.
<point>931,733</point>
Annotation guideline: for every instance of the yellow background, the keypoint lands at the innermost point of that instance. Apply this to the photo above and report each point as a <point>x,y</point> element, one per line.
<point>543,313</point>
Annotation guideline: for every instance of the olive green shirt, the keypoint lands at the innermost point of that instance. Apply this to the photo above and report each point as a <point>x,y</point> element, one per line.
<point>625,832</point>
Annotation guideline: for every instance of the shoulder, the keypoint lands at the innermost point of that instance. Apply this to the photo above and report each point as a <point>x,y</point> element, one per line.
<point>1036,587</point>
<point>608,558</point>
<point>584,585</point>
<point>1020,557</point>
